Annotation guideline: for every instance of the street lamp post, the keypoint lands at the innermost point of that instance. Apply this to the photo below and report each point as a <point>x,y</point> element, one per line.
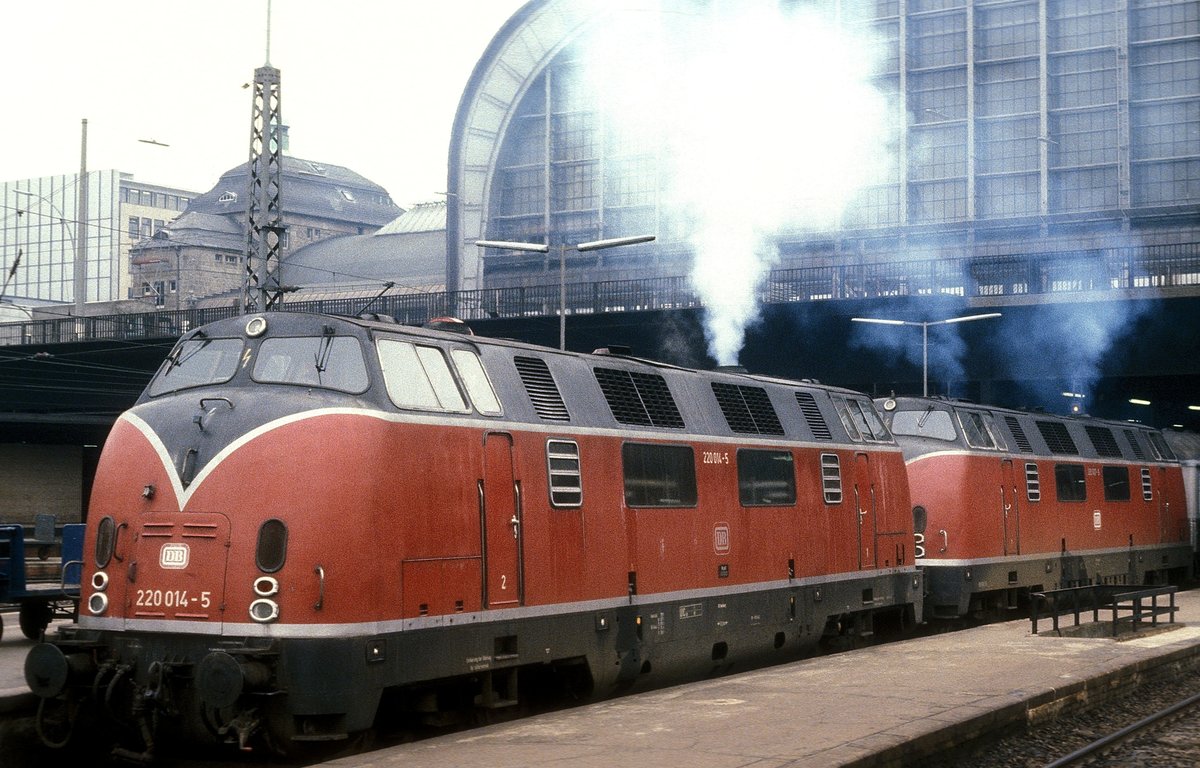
<point>62,220</point>
<point>81,227</point>
<point>924,325</point>
<point>593,245</point>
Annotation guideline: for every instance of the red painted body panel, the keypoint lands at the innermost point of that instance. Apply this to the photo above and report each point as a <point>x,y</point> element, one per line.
<point>965,494</point>
<point>400,505</point>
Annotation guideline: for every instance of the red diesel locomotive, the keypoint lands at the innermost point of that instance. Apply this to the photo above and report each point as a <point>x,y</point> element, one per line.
<point>305,516</point>
<point>1007,502</point>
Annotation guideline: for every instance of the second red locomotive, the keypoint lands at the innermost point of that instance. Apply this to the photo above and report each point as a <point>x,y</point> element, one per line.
<point>1007,502</point>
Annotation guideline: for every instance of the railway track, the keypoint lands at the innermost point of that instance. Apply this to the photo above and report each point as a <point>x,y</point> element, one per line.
<point>1156,723</point>
<point>1125,746</point>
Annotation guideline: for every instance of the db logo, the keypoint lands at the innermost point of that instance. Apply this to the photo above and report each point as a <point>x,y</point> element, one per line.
<point>173,556</point>
<point>721,538</point>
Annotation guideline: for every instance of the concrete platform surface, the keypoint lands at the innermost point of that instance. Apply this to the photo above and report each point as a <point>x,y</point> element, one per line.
<point>885,705</point>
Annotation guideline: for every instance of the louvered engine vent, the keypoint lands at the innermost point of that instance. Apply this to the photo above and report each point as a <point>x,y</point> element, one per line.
<point>638,398</point>
<point>812,415</point>
<point>542,390</point>
<point>1058,440</point>
<point>747,409</point>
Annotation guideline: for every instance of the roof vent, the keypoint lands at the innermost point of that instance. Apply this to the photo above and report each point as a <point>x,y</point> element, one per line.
<point>731,369</point>
<point>614,349</point>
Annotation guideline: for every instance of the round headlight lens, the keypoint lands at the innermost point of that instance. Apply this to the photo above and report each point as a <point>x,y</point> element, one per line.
<point>264,611</point>
<point>265,586</point>
<point>256,327</point>
<point>98,603</point>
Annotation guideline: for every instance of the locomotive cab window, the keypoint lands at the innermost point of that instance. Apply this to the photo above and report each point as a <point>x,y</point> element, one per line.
<point>196,362</point>
<point>1070,482</point>
<point>475,379</point>
<point>928,422</point>
<point>980,430</point>
<point>861,420</point>
<point>1160,447</point>
<point>1116,483</point>
<point>659,475</point>
<point>418,376</point>
<point>328,361</point>
<point>766,478</point>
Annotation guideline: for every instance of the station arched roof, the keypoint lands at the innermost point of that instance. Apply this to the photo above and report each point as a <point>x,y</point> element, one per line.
<point>519,53</point>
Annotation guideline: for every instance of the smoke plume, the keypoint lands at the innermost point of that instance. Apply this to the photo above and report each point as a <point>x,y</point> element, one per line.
<point>765,120</point>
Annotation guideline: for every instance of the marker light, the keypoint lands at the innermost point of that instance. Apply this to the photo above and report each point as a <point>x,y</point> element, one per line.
<point>264,611</point>
<point>98,603</point>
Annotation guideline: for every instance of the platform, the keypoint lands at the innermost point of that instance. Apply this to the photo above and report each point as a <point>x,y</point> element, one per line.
<point>881,706</point>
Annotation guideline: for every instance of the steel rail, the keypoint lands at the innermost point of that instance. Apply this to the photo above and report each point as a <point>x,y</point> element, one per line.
<point>1124,733</point>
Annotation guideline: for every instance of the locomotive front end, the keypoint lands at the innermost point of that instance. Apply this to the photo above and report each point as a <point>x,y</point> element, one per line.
<point>208,540</point>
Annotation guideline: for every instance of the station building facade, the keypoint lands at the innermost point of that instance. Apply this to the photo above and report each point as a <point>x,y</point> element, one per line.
<point>1050,127</point>
<point>201,257</point>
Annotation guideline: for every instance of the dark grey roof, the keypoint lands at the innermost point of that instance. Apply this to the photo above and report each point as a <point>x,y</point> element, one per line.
<point>308,189</point>
<point>193,228</point>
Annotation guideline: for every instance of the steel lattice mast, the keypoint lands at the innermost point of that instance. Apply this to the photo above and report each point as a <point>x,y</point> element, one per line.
<point>264,216</point>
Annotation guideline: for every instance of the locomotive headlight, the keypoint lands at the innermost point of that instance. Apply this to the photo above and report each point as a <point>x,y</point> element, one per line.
<point>98,603</point>
<point>256,327</point>
<point>265,586</point>
<point>264,611</point>
<point>99,581</point>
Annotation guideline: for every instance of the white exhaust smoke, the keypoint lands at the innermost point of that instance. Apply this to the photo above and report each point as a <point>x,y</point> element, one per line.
<point>765,120</point>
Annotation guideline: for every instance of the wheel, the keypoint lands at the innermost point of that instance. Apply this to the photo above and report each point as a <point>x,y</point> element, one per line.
<point>35,617</point>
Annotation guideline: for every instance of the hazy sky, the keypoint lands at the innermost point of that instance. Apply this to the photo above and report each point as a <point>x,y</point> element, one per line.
<point>367,84</point>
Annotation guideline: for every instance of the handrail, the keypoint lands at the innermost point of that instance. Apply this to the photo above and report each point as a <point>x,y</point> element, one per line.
<point>1120,598</point>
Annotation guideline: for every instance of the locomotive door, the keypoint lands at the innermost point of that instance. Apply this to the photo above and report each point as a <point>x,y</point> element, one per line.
<point>1164,506</point>
<point>501,521</point>
<point>1009,509</point>
<point>864,504</point>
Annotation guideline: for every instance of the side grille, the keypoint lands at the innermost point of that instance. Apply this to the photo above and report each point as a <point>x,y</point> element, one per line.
<point>1018,433</point>
<point>812,415</point>
<point>747,409</point>
<point>543,392</point>
<point>638,398</point>
<point>1138,451</point>
<point>1058,440</point>
<point>1103,441</point>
